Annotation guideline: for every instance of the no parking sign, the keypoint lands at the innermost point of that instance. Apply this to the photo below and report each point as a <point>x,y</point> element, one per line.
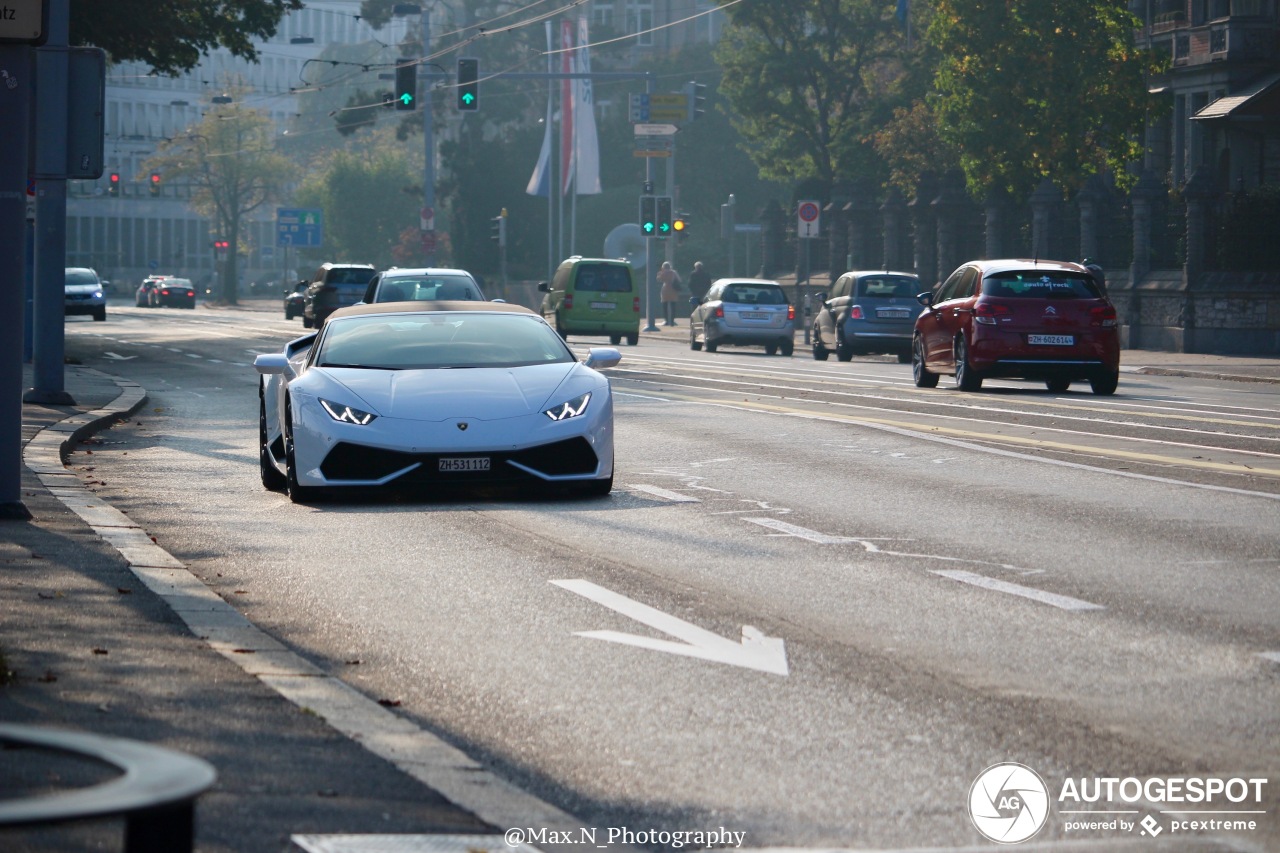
<point>807,219</point>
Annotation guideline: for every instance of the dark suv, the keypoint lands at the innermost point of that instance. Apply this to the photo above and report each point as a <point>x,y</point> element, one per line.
<point>332,287</point>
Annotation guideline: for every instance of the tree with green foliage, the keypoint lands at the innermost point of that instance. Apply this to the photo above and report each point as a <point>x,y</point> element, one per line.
<point>368,198</point>
<point>174,35</point>
<point>1034,89</point>
<point>808,81</point>
<point>230,161</point>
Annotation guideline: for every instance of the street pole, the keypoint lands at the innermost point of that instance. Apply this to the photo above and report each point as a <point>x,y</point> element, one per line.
<point>18,69</point>
<point>429,143</point>
<point>51,212</point>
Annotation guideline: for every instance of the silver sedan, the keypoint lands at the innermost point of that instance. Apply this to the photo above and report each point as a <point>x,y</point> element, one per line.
<point>743,312</point>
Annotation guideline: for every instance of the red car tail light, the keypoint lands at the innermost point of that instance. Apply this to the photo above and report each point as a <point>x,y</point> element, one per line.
<point>855,313</point>
<point>191,293</point>
<point>718,313</point>
<point>1102,315</point>
<point>568,302</point>
<point>635,304</point>
<point>987,313</point>
<point>791,312</point>
<point>164,292</point>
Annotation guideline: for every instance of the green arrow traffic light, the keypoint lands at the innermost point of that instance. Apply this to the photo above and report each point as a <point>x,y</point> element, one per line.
<point>467,98</point>
<point>406,99</point>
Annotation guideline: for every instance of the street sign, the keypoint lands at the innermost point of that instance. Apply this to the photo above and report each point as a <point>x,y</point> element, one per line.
<point>24,22</point>
<point>807,225</point>
<point>655,129</point>
<point>648,153</point>
<point>300,227</point>
<point>659,109</point>
<point>655,143</point>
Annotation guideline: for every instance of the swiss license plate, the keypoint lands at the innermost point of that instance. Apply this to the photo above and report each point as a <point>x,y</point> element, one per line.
<point>892,313</point>
<point>754,315</point>
<point>604,306</point>
<point>1052,340</point>
<point>464,463</point>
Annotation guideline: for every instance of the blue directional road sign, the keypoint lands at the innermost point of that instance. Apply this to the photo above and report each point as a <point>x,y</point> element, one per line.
<point>299,226</point>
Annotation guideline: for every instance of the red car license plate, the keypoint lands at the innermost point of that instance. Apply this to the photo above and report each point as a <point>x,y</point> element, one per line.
<point>464,463</point>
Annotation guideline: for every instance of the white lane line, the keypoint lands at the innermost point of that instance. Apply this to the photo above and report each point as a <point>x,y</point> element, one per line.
<point>665,494</point>
<point>1274,657</point>
<point>642,396</point>
<point>1061,601</point>
<point>174,349</point>
<point>810,535</point>
<point>1064,602</point>
<point>192,355</point>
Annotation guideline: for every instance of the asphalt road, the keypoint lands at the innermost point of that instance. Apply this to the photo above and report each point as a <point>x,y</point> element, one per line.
<point>818,604</point>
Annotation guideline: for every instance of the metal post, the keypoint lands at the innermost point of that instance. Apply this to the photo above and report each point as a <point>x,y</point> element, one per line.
<point>649,272</point>
<point>51,212</point>
<point>429,143</point>
<point>17,68</point>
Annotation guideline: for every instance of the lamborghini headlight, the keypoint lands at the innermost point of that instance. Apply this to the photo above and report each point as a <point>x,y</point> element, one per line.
<point>347,414</point>
<point>570,409</point>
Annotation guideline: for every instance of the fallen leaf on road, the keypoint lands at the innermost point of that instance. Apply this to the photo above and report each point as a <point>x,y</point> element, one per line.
<point>100,652</point>
<point>389,703</point>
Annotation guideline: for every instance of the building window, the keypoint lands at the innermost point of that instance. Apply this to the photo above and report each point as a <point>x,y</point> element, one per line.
<point>640,20</point>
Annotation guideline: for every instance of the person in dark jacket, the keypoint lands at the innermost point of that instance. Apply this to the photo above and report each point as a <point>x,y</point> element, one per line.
<point>699,281</point>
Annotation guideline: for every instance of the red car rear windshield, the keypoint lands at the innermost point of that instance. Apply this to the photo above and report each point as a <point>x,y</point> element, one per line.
<point>1038,284</point>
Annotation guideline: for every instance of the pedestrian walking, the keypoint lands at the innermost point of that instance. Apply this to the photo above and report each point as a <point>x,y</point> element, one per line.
<point>670,293</point>
<point>699,281</point>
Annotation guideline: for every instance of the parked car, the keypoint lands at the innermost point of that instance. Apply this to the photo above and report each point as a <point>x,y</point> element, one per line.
<point>377,399</point>
<point>867,312</point>
<point>1042,320</point>
<point>593,296</point>
<point>83,293</point>
<point>333,286</point>
<point>294,300</point>
<point>743,312</point>
<point>422,285</point>
<point>142,296</point>
<point>171,292</point>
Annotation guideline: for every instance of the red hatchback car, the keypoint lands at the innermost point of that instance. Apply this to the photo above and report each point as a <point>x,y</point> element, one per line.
<point>1021,319</point>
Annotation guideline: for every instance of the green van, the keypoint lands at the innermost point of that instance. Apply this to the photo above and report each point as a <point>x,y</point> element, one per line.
<point>593,296</point>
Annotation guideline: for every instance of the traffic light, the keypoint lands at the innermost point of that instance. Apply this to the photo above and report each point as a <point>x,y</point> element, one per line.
<point>696,93</point>
<point>680,225</point>
<point>155,184</point>
<point>468,85</point>
<point>663,216</point>
<point>649,215</point>
<point>220,248</point>
<point>113,184</point>
<point>498,229</point>
<point>406,85</point>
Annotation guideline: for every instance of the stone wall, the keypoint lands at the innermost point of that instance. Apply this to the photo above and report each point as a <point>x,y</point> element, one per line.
<point>1218,312</point>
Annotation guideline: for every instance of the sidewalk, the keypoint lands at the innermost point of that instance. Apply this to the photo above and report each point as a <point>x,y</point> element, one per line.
<point>85,646</point>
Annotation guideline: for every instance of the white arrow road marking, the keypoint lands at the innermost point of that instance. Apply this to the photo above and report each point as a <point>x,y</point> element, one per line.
<point>116,356</point>
<point>754,651</point>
